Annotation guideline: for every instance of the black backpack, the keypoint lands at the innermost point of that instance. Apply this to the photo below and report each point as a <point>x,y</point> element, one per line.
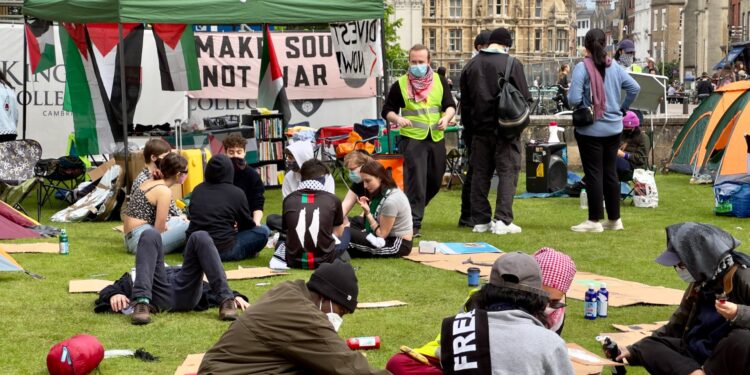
<point>512,107</point>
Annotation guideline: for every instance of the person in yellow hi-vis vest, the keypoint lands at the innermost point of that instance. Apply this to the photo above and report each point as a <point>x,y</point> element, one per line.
<point>426,107</point>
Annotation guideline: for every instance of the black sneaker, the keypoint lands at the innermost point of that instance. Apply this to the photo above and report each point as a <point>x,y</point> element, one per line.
<point>415,233</point>
<point>465,222</point>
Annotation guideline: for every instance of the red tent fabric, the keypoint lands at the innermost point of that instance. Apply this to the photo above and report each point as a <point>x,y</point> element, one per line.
<point>14,225</point>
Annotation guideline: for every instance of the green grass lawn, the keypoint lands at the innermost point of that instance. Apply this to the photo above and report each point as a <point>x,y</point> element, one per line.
<point>34,314</point>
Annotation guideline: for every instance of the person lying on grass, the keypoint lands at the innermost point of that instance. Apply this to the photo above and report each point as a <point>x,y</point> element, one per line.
<point>385,230</point>
<point>313,223</point>
<point>558,271</point>
<point>151,204</point>
<point>221,209</point>
<point>157,288</point>
<point>292,329</point>
<point>710,332</point>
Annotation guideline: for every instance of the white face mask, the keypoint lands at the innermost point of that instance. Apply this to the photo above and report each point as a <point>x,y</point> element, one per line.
<point>684,275</point>
<point>333,318</point>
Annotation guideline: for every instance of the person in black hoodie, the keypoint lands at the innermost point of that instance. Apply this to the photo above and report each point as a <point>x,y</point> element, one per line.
<point>493,148</point>
<point>220,208</point>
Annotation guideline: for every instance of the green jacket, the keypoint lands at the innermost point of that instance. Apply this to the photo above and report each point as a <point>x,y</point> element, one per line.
<point>283,333</point>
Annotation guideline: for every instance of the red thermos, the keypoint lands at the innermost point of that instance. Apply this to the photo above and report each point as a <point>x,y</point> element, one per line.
<point>364,343</point>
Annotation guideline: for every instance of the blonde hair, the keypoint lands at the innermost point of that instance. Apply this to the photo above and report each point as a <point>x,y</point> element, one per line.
<point>356,158</point>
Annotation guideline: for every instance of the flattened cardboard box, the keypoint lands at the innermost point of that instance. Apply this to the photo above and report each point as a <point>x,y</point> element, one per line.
<point>190,365</point>
<point>41,247</point>
<point>624,293</point>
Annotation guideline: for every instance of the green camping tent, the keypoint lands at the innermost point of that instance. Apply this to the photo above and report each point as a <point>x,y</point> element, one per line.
<point>212,12</point>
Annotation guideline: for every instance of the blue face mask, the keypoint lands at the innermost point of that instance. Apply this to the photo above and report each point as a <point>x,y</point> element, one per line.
<point>355,177</point>
<point>418,70</point>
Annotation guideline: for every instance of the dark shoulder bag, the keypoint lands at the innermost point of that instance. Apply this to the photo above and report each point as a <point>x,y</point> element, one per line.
<point>584,115</point>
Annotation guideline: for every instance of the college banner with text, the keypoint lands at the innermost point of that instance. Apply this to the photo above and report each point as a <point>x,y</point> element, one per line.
<point>230,66</point>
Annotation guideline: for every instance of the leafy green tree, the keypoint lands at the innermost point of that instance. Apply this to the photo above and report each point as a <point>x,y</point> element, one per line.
<point>396,57</point>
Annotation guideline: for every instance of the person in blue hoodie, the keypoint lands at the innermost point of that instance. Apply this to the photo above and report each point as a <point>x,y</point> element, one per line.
<point>221,209</point>
<point>597,83</point>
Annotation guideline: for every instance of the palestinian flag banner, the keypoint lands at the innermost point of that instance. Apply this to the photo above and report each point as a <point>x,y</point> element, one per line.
<point>178,60</point>
<point>92,91</point>
<point>40,39</point>
<point>271,93</point>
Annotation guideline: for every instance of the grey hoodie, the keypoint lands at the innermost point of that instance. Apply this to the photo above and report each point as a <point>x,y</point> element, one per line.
<point>520,344</point>
<point>302,152</point>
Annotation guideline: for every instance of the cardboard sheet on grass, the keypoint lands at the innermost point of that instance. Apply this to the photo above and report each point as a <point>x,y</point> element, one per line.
<point>190,365</point>
<point>585,362</point>
<point>458,262</point>
<point>632,333</point>
<point>625,293</point>
<point>42,247</point>
<point>95,285</point>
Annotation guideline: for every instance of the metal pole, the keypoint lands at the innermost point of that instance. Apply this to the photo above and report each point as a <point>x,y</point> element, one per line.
<point>25,77</point>
<point>123,101</point>
<point>383,87</point>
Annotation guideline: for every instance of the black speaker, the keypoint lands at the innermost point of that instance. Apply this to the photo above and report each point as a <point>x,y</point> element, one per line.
<point>546,167</point>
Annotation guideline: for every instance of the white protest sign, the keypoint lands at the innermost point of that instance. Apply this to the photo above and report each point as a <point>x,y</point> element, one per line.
<point>357,45</point>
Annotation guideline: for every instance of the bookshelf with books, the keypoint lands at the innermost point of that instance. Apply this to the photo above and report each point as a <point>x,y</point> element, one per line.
<point>269,136</point>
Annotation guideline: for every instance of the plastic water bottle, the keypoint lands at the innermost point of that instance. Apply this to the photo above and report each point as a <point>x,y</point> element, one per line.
<point>589,304</point>
<point>602,301</point>
<point>364,343</point>
<point>64,249</point>
<point>584,200</point>
<point>553,138</point>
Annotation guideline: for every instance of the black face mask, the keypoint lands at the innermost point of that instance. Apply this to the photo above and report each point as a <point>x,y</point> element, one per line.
<point>292,165</point>
<point>238,163</point>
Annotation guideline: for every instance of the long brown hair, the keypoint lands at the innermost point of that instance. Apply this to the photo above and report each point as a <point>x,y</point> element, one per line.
<point>562,74</point>
<point>596,42</point>
<point>171,165</point>
<point>375,169</point>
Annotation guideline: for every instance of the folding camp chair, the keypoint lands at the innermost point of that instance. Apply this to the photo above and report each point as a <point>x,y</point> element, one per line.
<point>326,140</point>
<point>17,161</point>
<point>57,175</point>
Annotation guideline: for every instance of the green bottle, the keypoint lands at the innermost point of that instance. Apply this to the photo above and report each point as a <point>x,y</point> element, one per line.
<point>64,250</point>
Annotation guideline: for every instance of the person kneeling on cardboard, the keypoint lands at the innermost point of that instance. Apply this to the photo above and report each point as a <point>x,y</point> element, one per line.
<point>292,330</point>
<point>710,331</point>
<point>157,288</point>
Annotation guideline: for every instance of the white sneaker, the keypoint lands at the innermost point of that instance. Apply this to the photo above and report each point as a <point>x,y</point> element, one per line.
<point>613,225</point>
<point>513,228</point>
<point>481,228</point>
<point>499,227</point>
<point>588,226</point>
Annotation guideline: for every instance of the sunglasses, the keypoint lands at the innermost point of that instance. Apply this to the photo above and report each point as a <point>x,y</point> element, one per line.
<point>556,304</point>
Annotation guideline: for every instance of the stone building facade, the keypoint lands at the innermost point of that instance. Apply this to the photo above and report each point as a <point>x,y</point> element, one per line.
<point>666,30</point>
<point>705,33</point>
<point>541,29</point>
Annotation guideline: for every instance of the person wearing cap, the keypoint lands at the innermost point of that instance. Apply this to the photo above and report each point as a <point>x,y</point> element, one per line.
<point>503,330</point>
<point>650,64</point>
<point>633,151</point>
<point>709,333</point>
<point>493,148</point>
<point>558,271</point>
<point>292,329</point>
<point>426,107</point>
<point>481,42</point>
<point>625,56</point>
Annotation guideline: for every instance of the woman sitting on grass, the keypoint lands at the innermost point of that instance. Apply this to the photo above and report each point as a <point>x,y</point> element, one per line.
<point>386,228</point>
<point>150,202</point>
<point>174,237</point>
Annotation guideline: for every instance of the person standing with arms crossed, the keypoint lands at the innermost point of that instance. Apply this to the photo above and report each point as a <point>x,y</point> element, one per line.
<point>426,106</point>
